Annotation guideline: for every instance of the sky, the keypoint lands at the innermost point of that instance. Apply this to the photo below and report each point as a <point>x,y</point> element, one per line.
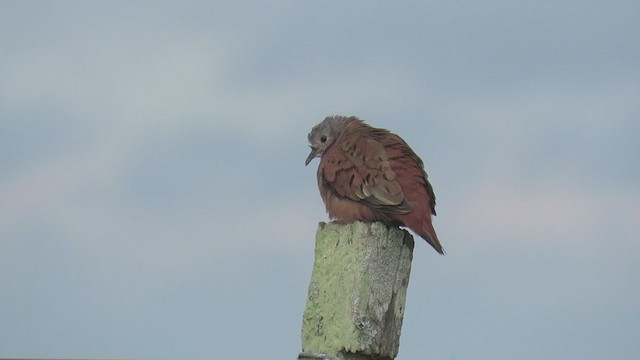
<point>154,202</point>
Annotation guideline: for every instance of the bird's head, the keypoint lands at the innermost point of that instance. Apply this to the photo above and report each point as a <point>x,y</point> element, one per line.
<point>325,134</point>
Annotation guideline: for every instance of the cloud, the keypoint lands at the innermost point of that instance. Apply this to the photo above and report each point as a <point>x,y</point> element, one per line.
<point>558,215</point>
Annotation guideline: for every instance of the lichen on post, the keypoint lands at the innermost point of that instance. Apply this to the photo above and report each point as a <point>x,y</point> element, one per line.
<point>357,292</point>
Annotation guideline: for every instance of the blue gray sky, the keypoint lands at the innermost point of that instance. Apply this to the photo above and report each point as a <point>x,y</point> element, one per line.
<point>154,201</point>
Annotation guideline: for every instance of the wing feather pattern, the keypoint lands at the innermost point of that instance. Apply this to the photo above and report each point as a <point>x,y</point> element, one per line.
<point>358,168</point>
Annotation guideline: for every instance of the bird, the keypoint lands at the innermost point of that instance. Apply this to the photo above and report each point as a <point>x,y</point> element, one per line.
<point>371,174</point>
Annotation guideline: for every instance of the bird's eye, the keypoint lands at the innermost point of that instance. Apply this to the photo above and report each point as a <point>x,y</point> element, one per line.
<point>323,138</point>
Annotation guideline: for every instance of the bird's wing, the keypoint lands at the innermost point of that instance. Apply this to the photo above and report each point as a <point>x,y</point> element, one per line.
<point>358,168</point>
<point>402,157</point>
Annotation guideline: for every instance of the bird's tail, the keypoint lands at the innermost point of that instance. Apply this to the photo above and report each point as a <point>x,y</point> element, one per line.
<point>429,234</point>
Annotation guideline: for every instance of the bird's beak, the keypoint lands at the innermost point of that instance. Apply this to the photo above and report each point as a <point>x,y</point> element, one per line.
<point>312,155</point>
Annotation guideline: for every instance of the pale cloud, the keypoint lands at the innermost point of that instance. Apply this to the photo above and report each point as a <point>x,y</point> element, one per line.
<point>561,215</point>
<point>46,187</point>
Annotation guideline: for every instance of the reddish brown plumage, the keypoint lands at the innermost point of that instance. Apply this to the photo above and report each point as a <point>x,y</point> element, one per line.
<point>370,174</point>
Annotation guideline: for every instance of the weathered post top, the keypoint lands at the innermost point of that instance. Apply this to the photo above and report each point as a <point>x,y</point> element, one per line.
<point>357,292</point>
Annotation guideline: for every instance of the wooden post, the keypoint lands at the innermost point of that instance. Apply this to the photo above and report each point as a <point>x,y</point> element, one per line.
<point>357,292</point>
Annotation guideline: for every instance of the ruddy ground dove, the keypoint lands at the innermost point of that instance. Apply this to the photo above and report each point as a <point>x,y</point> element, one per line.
<point>371,174</point>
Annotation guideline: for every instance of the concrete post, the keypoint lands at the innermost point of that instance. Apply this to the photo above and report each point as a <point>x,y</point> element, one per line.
<point>357,292</point>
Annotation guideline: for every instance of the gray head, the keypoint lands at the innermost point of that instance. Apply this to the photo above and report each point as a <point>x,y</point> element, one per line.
<point>325,134</point>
